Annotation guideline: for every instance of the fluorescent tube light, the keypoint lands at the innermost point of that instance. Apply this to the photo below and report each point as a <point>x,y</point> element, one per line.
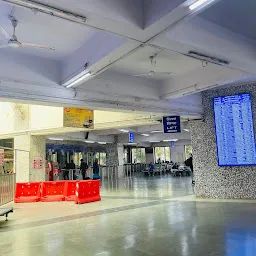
<point>186,130</point>
<point>158,131</point>
<point>60,139</point>
<point>174,140</point>
<point>145,135</point>
<point>102,143</point>
<point>77,79</point>
<point>52,11</point>
<point>123,130</point>
<point>89,142</point>
<point>200,3</point>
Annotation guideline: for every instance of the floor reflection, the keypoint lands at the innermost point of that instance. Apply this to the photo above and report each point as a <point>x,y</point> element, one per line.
<point>138,216</point>
<point>139,186</point>
<point>243,244</point>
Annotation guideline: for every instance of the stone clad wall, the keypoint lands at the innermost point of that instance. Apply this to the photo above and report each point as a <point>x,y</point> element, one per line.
<point>212,180</point>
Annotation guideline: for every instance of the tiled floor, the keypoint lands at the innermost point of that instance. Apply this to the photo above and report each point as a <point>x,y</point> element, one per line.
<point>140,216</point>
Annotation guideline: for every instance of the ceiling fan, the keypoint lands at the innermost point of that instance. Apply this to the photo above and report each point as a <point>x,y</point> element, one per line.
<point>153,72</point>
<point>13,41</point>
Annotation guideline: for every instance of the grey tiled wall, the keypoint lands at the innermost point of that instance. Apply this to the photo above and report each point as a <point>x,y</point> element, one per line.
<point>211,180</point>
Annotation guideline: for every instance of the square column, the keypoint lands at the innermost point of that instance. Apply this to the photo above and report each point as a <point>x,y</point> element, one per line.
<point>115,157</point>
<point>27,149</point>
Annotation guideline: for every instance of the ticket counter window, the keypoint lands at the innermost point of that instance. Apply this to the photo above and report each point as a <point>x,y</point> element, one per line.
<point>6,157</point>
<point>102,157</point>
<point>77,158</point>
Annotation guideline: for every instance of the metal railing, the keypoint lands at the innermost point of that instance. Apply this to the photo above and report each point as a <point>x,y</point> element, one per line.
<point>108,172</point>
<point>7,188</point>
<point>130,169</point>
<point>113,172</point>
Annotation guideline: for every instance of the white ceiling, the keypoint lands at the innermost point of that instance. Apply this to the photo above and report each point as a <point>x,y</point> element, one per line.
<point>235,15</point>
<point>43,29</point>
<point>116,41</point>
<point>165,61</point>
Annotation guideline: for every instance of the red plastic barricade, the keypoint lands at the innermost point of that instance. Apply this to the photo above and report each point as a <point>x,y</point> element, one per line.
<point>70,191</point>
<point>53,191</point>
<point>87,191</point>
<point>27,192</point>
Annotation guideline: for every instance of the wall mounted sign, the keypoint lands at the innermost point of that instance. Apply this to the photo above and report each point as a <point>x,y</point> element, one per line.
<point>38,162</point>
<point>78,118</point>
<point>1,157</point>
<point>171,124</point>
<point>131,137</point>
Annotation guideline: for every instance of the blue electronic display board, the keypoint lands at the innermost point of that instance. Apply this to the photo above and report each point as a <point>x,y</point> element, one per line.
<point>234,130</point>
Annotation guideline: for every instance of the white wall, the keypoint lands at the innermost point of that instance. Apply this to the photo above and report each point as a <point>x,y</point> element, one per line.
<point>44,117</point>
<point>6,117</point>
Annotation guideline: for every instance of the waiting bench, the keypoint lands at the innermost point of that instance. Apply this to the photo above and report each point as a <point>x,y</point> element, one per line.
<point>5,212</point>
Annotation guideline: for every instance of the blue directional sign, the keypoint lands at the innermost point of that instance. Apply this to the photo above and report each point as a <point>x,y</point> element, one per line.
<point>131,137</point>
<point>171,124</point>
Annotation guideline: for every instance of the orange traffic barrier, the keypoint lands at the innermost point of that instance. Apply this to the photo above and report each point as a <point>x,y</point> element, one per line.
<point>53,191</point>
<point>87,191</point>
<point>27,192</point>
<point>70,191</point>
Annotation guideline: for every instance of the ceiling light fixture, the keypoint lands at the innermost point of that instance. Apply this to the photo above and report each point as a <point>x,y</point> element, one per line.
<point>174,140</point>
<point>157,131</point>
<point>145,135</point>
<point>207,58</point>
<point>38,7</point>
<point>123,130</point>
<point>89,142</point>
<point>102,143</point>
<point>60,139</point>
<point>186,130</point>
<point>200,3</point>
<point>77,79</point>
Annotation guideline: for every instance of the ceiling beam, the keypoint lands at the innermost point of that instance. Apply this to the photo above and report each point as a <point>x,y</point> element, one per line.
<point>59,96</point>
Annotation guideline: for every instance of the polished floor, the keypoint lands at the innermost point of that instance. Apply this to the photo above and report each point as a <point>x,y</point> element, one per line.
<point>137,216</point>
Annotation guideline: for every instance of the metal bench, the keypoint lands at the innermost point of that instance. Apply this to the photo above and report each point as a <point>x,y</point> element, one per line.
<point>5,212</point>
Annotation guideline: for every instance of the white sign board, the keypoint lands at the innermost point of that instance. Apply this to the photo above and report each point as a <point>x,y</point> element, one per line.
<point>38,162</point>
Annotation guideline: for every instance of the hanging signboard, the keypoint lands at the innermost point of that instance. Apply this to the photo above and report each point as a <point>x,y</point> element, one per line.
<point>1,157</point>
<point>78,118</point>
<point>171,124</point>
<point>38,162</point>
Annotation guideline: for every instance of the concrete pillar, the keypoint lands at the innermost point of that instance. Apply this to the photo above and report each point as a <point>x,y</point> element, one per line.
<point>120,155</point>
<point>29,147</point>
<point>212,180</point>
<point>115,157</point>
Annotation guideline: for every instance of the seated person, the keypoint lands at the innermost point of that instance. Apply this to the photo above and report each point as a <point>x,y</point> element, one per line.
<point>178,172</point>
<point>175,166</point>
